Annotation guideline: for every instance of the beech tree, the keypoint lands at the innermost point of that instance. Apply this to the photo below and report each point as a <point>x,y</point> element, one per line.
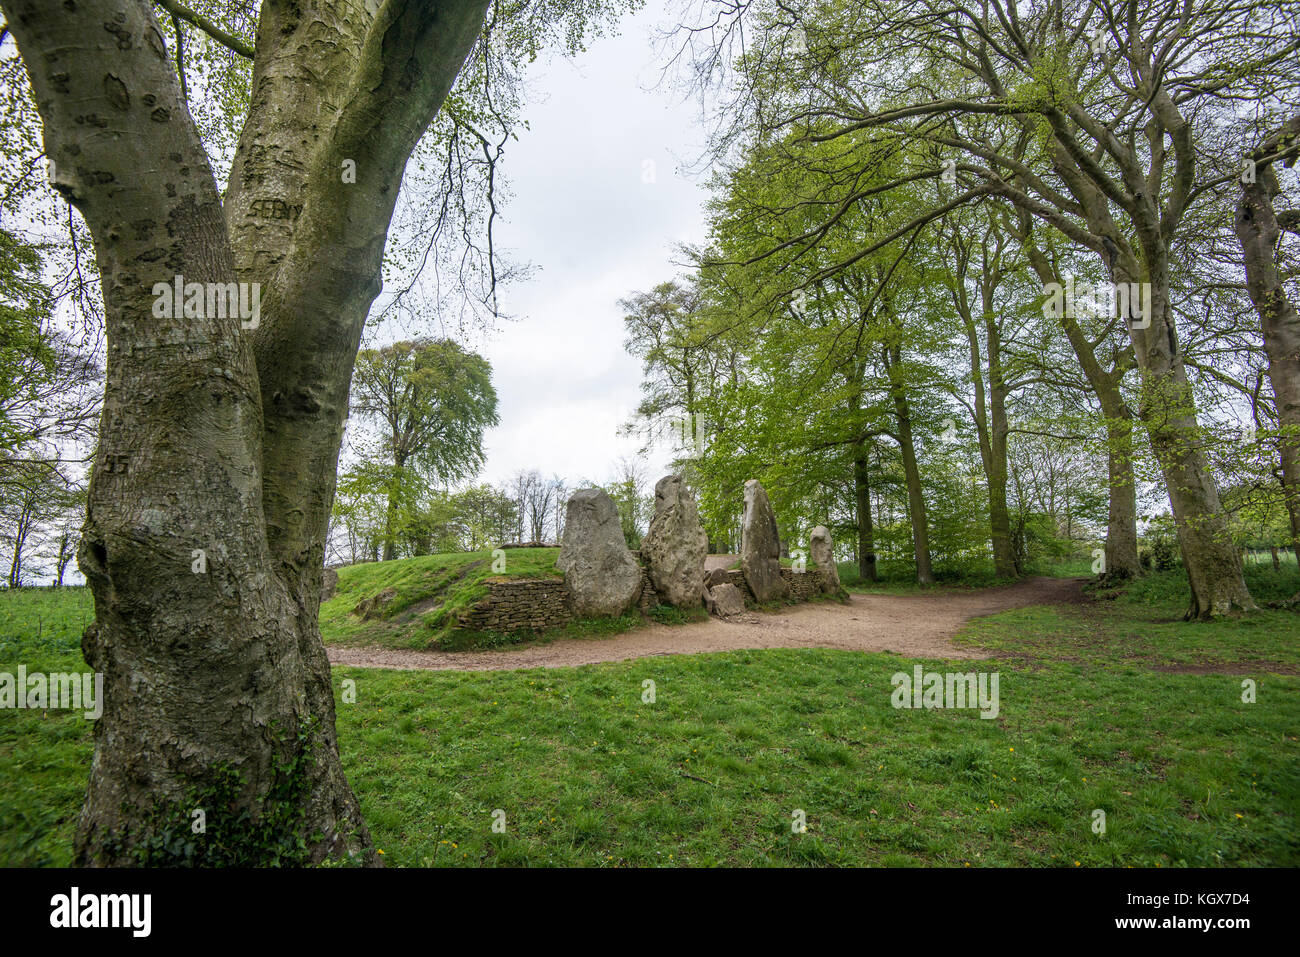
<point>48,396</point>
<point>432,400</point>
<point>218,443</point>
<point>1090,341</point>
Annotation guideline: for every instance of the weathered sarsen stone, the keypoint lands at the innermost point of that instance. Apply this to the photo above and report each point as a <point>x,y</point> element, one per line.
<point>716,577</point>
<point>724,600</point>
<point>760,546</point>
<point>675,545</point>
<point>600,573</point>
<point>822,552</point>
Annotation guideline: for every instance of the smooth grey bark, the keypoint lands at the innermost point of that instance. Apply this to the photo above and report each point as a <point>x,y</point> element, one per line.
<point>1258,232</point>
<point>216,439</point>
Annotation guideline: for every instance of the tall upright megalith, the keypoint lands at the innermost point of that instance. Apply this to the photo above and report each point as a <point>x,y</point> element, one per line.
<point>600,573</point>
<point>822,551</point>
<point>675,545</point>
<point>760,546</point>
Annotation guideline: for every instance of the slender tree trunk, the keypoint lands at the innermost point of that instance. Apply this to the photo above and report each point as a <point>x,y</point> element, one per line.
<point>391,513</point>
<point>912,475</point>
<point>16,561</point>
<point>1122,560</point>
<point>1004,558</point>
<point>862,495</point>
<point>991,431</point>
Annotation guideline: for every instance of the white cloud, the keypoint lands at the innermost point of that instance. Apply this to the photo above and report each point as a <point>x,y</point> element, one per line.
<point>596,231</point>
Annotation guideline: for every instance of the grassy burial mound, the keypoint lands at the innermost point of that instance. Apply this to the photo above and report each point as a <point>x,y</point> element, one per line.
<point>459,600</point>
<point>418,602</point>
<point>444,601</point>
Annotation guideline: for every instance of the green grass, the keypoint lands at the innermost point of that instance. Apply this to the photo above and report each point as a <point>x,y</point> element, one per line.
<point>470,640</point>
<point>40,622</point>
<point>1143,624</point>
<point>589,774</point>
<point>785,562</point>
<point>44,756</point>
<point>899,578</point>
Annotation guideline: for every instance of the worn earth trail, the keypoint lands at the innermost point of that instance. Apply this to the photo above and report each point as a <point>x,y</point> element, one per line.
<point>916,626</point>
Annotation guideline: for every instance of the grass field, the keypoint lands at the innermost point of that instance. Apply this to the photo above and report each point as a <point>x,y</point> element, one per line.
<point>1111,706</point>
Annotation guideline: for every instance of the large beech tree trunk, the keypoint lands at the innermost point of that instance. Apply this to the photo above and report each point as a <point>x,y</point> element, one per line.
<point>212,484</point>
<point>1212,561</point>
<point>1258,232</point>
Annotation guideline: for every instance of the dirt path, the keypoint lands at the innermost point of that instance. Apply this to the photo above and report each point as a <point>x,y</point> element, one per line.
<point>916,626</point>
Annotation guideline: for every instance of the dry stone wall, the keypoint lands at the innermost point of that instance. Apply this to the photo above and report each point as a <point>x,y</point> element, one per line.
<point>520,604</point>
<point>650,596</point>
<point>803,586</point>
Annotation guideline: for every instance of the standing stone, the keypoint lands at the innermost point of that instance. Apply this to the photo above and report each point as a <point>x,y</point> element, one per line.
<point>822,552</point>
<point>329,582</point>
<point>675,545</point>
<point>600,573</point>
<point>760,546</point>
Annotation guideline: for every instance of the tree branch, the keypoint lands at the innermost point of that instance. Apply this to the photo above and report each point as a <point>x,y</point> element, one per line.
<point>227,40</point>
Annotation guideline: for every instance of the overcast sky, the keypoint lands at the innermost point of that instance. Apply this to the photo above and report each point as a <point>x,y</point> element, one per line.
<point>595,230</point>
